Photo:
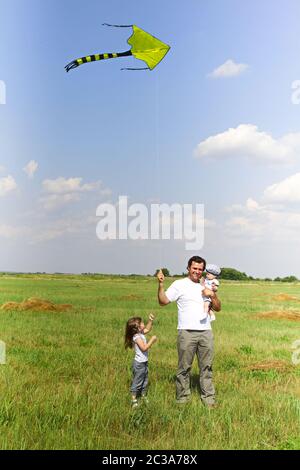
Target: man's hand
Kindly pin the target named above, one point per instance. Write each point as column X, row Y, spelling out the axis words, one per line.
column 160, row 276
column 214, row 287
column 215, row 302
column 151, row 317
column 162, row 298
column 208, row 293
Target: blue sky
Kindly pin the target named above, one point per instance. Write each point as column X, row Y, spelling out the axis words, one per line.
column 161, row 135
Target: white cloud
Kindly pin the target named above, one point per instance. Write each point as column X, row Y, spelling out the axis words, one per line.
column 7, row 185
column 253, row 222
column 246, row 141
column 40, row 227
column 52, row 229
column 55, row 201
column 105, row 192
column 229, row 69
column 71, row 185
column 244, row 227
column 286, row 191
column 64, row 227
column 9, row 231
column 31, row 168
column 62, row 191
column 252, row 205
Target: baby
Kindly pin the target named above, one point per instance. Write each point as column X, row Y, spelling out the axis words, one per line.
column 211, row 282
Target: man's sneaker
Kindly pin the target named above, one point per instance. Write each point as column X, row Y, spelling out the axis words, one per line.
column 145, row 399
column 211, row 406
column 183, row 400
column 134, row 403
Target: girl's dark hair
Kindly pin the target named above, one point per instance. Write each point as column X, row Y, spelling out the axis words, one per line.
column 132, row 328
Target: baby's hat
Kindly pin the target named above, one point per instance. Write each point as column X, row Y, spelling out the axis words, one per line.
column 213, row 269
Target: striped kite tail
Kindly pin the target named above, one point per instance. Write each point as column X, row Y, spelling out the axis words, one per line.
column 92, row 58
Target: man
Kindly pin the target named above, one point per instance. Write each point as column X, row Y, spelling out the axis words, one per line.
column 194, row 329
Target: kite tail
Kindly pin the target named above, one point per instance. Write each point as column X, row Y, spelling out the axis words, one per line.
column 92, row 58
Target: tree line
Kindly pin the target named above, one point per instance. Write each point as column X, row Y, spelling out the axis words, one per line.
column 232, row 274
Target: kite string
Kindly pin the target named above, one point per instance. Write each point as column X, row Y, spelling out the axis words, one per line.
column 158, row 168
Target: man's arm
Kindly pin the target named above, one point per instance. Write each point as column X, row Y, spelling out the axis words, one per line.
column 162, row 298
column 216, row 303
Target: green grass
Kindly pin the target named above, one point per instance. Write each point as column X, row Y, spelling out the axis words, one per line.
column 67, row 378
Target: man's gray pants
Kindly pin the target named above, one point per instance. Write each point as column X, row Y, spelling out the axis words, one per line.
column 140, row 378
column 189, row 343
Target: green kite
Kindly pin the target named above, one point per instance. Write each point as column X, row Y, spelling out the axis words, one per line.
column 144, row 47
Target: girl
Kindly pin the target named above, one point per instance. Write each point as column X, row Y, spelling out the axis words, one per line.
column 135, row 336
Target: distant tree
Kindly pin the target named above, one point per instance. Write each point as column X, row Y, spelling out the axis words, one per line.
column 277, row 279
column 165, row 271
column 290, row 279
column 233, row 275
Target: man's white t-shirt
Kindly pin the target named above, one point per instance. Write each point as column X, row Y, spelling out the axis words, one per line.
column 188, row 295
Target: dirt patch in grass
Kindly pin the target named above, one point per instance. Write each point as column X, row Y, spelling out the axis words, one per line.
column 36, row 304
column 131, row 297
column 271, row 364
column 284, row 297
column 293, row 315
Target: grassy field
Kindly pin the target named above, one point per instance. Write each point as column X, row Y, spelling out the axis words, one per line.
column 66, row 381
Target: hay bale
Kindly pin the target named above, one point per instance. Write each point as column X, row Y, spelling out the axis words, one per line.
column 10, row 306
column 284, row 297
column 270, row 364
column 131, row 297
column 292, row 315
column 35, row 304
